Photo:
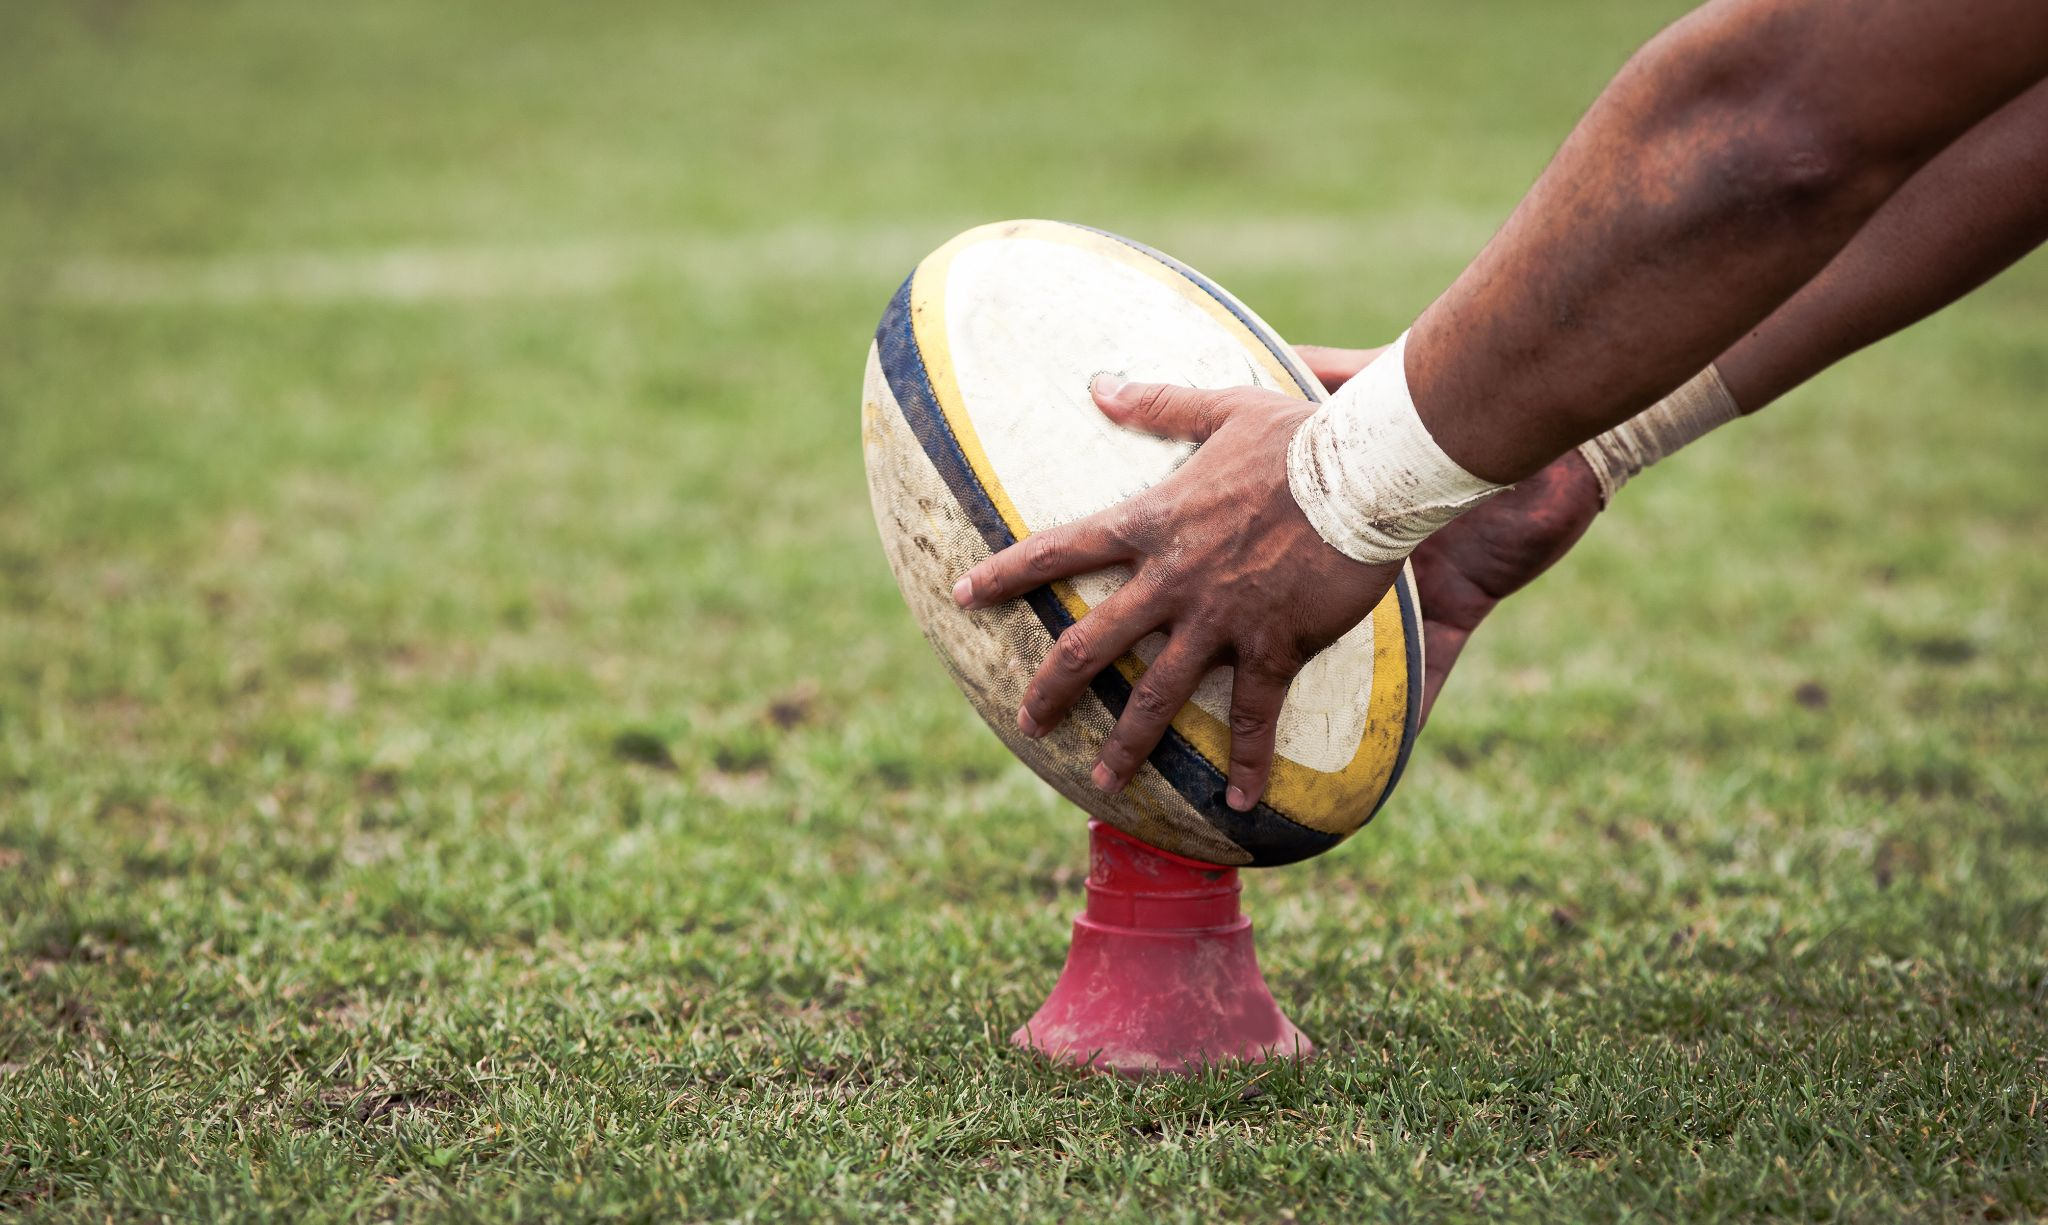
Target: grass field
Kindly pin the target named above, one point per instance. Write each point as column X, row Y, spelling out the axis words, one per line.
column 462, row 754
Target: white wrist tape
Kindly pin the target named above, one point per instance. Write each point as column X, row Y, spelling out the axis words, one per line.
column 1367, row 473
column 1686, row 415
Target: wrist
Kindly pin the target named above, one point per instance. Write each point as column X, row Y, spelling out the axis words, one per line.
column 1369, row 476
column 1698, row 407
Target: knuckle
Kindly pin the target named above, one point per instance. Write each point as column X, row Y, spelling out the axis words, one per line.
column 1249, row 724
column 1044, row 562
column 1151, row 400
column 1073, row 652
column 1139, row 520
column 1151, row 705
column 1265, row 659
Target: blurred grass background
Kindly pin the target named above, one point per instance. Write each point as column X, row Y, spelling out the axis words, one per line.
column 462, row 754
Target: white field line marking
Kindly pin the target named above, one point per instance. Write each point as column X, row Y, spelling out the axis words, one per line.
column 726, row 263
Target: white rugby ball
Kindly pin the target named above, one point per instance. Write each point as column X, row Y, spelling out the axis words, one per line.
column 979, row 430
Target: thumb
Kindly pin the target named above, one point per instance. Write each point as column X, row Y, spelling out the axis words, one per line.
column 1162, row 408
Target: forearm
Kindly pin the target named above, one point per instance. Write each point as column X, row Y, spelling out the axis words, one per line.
column 1724, row 167
column 1972, row 211
column 1967, row 215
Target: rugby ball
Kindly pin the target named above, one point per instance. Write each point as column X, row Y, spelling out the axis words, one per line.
column 979, row 429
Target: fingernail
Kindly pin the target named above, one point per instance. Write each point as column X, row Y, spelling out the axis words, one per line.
column 1103, row 779
column 963, row 591
column 1028, row 725
column 1236, row 798
column 1108, row 384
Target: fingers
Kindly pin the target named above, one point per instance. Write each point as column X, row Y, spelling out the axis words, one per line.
column 1256, row 695
column 1162, row 408
column 1084, row 649
column 1441, row 645
column 1043, row 557
column 1155, row 700
column 1336, row 367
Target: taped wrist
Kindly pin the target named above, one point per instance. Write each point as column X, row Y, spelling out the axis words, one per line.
column 1367, row 473
column 1699, row 407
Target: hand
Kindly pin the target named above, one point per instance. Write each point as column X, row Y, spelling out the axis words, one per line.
column 1223, row 562
column 1488, row 553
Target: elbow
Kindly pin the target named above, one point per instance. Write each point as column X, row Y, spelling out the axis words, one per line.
column 1746, row 127
column 1767, row 164
column 1795, row 167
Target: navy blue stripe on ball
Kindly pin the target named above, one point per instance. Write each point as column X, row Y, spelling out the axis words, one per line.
column 1265, row 832
column 1411, row 619
column 1267, row 835
column 911, row 384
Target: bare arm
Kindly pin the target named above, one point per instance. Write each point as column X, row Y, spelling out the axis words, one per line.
column 1967, row 215
column 1724, row 167
column 1727, row 163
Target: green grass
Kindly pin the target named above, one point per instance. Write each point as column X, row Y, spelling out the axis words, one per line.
column 462, row 754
